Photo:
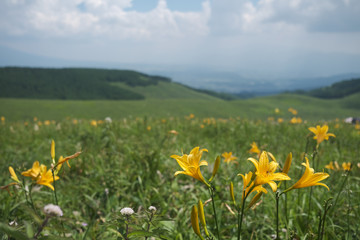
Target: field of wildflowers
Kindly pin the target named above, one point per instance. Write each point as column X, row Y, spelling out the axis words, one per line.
column 179, row 178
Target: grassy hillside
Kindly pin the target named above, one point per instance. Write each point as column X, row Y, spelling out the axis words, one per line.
column 258, row 108
column 166, row 90
column 72, row 83
column 92, row 84
column 337, row 90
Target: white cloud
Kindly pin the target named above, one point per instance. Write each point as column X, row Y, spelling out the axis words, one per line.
column 105, row 18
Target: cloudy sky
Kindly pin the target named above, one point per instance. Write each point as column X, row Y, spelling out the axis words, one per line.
column 294, row 37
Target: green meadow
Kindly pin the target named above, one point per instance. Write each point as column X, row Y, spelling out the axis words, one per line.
column 137, row 172
column 127, row 163
column 309, row 108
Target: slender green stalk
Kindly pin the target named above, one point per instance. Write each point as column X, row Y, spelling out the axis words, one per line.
column 213, row 205
column 326, row 209
column 349, row 207
column 285, row 207
column 240, row 217
column 41, row 227
column 320, row 225
column 311, row 188
column 341, row 188
column 148, row 226
column 31, row 200
column 127, row 228
column 277, row 196
column 56, row 200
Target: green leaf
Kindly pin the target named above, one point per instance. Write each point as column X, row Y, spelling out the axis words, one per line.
column 140, row 233
column 12, row 232
column 29, row 229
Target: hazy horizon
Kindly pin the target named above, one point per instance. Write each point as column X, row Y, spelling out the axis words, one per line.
column 255, row 39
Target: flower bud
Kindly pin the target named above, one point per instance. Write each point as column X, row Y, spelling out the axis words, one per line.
column 287, row 164
column 53, row 151
column 202, row 217
column 232, row 192
column 195, row 221
column 216, row 168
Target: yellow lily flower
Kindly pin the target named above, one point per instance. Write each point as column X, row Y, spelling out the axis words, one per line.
column 330, row 166
column 228, row 157
column 309, row 178
column 254, row 148
column 40, row 174
column 321, row 133
column 247, row 179
column 46, row 178
column 346, row 166
column 265, row 171
column 33, row 172
column 191, row 164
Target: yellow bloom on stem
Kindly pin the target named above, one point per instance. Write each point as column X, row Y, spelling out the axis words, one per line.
column 46, row 178
column 191, row 164
column 33, row 172
column 52, row 151
column 321, row 133
column 265, row 171
column 246, row 187
column 40, row 174
column 228, row 157
column 330, row 166
column 346, row 166
column 254, row 148
column 309, row 178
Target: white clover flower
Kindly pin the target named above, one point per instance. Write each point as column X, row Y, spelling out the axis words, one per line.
column 108, row 120
column 126, row 211
column 53, row 210
column 152, row 209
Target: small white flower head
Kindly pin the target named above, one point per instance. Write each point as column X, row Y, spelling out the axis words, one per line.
column 53, row 210
column 127, row 211
column 108, row 120
column 152, row 209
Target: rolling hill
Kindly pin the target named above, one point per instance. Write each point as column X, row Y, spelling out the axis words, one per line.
column 87, row 97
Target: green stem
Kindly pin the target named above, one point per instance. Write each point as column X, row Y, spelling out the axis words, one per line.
column 240, row 220
column 326, row 209
column 320, row 226
column 213, row 205
column 42, row 227
column 311, row 188
column 286, row 212
column 56, row 200
column 127, row 228
column 342, row 187
column 349, row 207
column 240, row 217
column 277, row 214
column 148, row 226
